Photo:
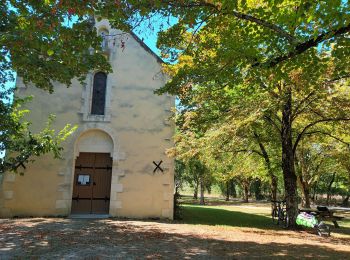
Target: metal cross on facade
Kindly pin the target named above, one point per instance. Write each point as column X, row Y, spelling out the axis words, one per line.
column 158, row 166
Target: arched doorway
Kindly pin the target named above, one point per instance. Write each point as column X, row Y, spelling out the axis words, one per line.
column 92, row 173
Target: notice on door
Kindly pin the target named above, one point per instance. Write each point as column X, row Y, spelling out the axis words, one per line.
column 83, row 179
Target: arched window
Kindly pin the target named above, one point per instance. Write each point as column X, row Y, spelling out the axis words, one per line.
column 104, row 34
column 99, row 94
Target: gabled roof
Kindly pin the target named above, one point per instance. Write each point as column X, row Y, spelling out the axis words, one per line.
column 148, row 49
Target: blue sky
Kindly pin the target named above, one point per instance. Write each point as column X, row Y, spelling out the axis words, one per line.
column 150, row 36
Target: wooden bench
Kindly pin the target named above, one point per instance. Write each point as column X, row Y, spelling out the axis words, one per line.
column 331, row 218
column 328, row 215
column 324, row 214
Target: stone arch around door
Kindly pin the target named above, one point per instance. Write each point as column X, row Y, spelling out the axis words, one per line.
column 94, row 141
column 96, row 156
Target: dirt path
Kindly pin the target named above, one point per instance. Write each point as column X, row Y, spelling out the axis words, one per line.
column 40, row 238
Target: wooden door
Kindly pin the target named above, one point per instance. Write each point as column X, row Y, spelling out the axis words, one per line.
column 92, row 184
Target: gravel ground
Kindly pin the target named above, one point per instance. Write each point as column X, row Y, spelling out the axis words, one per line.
column 55, row 238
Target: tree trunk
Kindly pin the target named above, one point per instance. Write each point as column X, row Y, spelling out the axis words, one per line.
column 233, row 192
column 202, row 188
column 177, row 188
column 273, row 187
column 257, row 189
column 195, row 192
column 314, row 190
column 268, row 167
column 306, row 196
column 290, row 178
column 305, row 189
column 227, row 191
column 273, row 192
column 328, row 199
column 329, row 189
column 345, row 202
column 246, row 192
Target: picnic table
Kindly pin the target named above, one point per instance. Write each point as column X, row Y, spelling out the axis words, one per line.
column 323, row 213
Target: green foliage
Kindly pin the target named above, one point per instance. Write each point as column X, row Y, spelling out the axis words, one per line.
column 228, row 188
column 43, row 42
column 21, row 145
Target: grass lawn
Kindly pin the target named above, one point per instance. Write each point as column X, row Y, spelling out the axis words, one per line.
column 234, row 216
column 251, row 215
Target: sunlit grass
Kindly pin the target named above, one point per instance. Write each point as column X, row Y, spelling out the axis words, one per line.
column 233, row 216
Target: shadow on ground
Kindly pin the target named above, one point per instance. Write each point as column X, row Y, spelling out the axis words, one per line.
column 344, row 228
column 102, row 239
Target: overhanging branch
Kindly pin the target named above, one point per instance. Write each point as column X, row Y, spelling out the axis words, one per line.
column 242, row 151
column 242, row 16
column 298, row 110
column 300, row 135
column 265, row 24
column 302, row 47
column 269, row 119
column 329, row 135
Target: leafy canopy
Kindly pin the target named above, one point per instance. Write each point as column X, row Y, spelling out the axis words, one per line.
column 43, row 42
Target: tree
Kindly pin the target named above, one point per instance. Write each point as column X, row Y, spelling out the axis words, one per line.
column 284, row 50
column 50, row 41
column 313, row 160
column 16, row 138
column 228, row 188
column 43, row 42
column 244, row 169
column 342, row 156
column 238, row 133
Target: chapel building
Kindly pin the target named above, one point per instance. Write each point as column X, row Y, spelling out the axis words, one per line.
column 114, row 164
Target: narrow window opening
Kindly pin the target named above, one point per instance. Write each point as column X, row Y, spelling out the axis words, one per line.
column 99, row 94
column 104, row 34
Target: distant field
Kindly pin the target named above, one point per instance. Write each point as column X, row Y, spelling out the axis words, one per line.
column 187, row 190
